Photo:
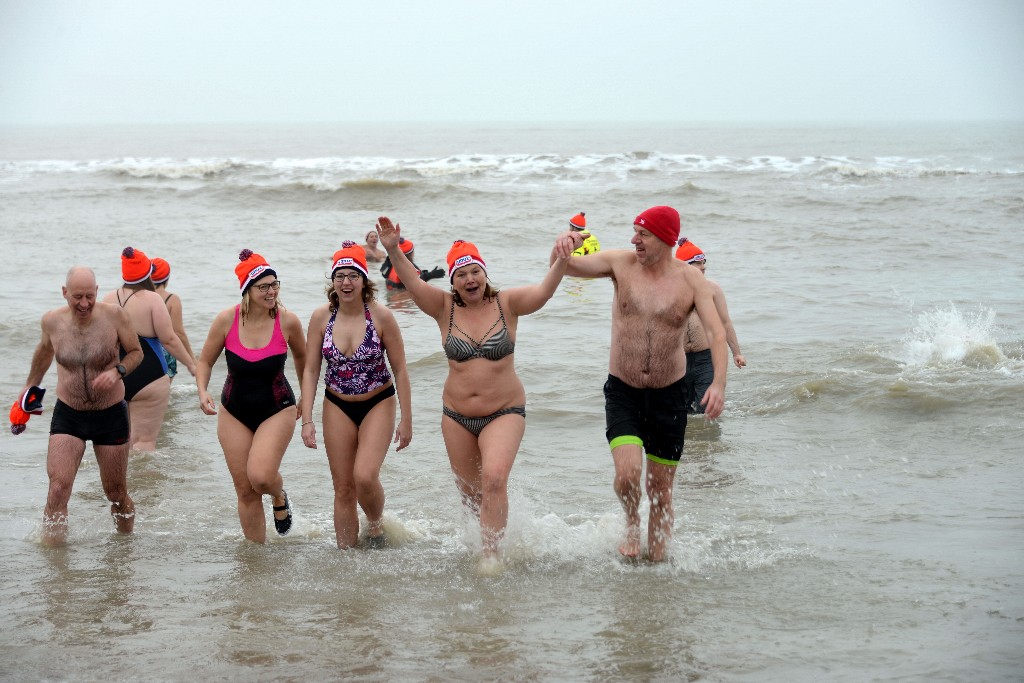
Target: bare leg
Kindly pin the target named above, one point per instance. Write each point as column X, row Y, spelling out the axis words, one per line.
column 659, row 526
column 374, row 440
column 147, row 409
column 355, row 456
column 63, row 458
column 113, row 466
column 264, row 466
column 481, row 466
column 340, row 441
column 236, row 440
column 499, row 443
column 464, row 458
column 628, row 460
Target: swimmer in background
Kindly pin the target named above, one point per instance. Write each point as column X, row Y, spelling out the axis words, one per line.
column 700, row 372
column 161, row 276
column 148, row 388
column 390, row 274
column 374, row 253
column 578, row 223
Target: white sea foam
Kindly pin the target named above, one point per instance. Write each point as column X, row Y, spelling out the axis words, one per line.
column 949, row 336
column 503, row 168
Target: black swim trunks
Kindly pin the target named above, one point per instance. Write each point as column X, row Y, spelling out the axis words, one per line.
column 700, row 373
column 652, row 418
column 106, row 427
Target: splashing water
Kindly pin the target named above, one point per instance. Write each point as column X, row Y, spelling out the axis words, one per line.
column 951, row 337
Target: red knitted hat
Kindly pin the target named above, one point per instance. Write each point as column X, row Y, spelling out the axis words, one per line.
column 462, row 254
column 689, row 252
column 405, row 245
column 161, row 270
column 252, row 266
column 30, row 403
column 662, row 222
column 579, row 221
column 351, row 255
column 135, row 266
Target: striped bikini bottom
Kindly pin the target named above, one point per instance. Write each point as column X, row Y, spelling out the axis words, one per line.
column 477, row 424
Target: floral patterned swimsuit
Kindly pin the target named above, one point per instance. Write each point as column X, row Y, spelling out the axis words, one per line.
column 365, row 371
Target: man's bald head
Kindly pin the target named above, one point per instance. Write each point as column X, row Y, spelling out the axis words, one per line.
column 81, row 276
column 80, row 291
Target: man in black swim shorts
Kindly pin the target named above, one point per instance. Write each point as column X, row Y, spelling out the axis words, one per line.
column 83, row 337
column 645, row 400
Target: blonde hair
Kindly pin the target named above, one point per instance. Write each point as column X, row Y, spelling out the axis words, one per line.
column 243, row 309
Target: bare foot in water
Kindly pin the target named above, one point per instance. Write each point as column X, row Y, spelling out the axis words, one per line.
column 630, row 548
column 490, row 565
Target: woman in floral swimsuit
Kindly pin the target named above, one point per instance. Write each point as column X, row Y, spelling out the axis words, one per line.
column 358, row 338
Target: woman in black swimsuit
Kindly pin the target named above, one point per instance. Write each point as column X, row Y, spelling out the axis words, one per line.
column 147, row 388
column 484, row 402
column 161, row 277
column 258, row 408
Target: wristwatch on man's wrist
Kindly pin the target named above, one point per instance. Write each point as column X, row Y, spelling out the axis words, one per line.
column 121, row 370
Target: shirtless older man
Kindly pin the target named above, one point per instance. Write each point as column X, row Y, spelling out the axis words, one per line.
column 90, row 406
column 645, row 406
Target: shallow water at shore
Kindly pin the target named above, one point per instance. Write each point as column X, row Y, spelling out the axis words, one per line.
column 854, row 515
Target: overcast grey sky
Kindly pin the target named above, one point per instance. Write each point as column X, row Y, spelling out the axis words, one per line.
column 137, row 61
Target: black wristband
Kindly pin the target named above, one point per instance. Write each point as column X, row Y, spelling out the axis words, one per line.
column 121, row 370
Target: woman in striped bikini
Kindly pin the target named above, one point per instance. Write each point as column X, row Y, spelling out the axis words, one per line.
column 484, row 402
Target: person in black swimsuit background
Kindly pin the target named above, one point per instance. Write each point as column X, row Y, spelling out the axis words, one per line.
column 148, row 387
column 161, row 279
column 484, row 402
column 700, row 373
column 258, row 408
column 391, row 279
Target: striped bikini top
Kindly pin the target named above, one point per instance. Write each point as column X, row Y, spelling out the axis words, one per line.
column 496, row 347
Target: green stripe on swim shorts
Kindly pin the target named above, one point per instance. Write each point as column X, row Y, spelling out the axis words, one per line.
column 662, row 461
column 626, row 440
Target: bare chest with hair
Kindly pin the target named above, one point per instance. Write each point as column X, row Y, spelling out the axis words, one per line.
column 663, row 302
column 648, row 322
column 91, row 347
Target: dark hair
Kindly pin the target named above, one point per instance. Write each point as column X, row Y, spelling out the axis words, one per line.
column 369, row 292
column 146, row 284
